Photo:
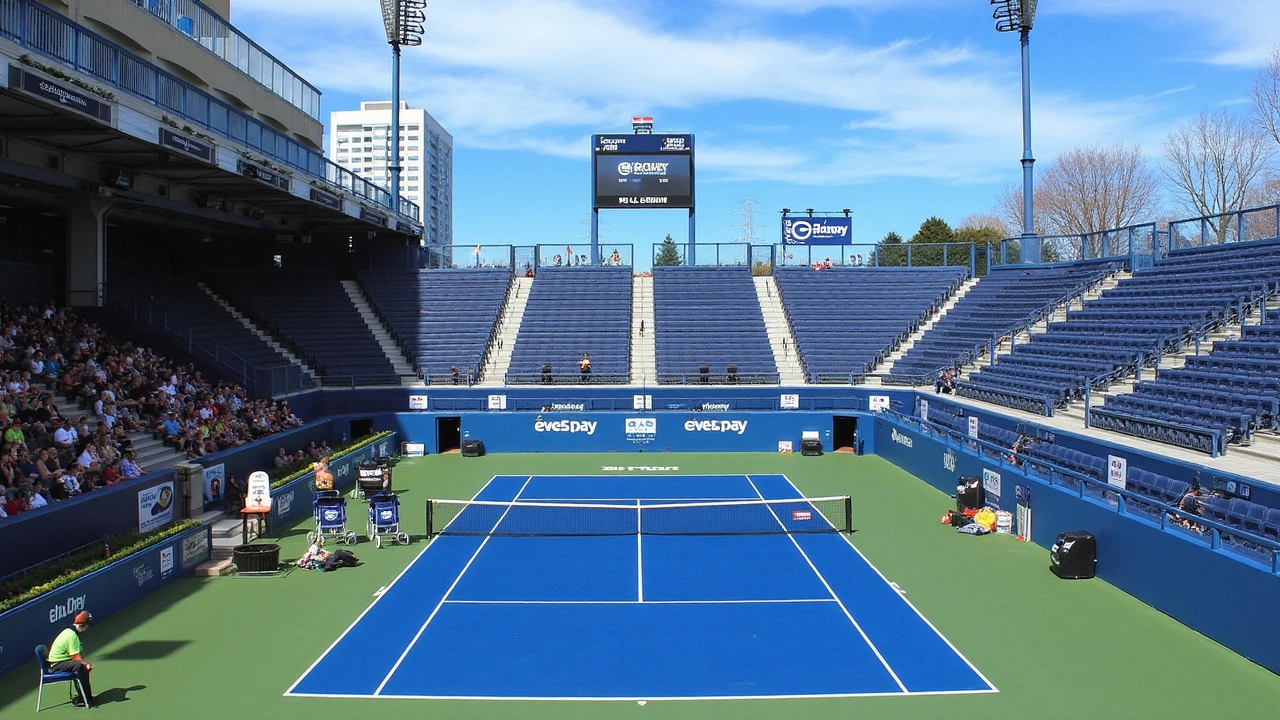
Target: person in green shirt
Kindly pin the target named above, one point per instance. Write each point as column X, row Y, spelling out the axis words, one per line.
column 65, row 655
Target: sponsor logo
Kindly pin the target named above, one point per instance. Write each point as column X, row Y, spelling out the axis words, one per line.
column 642, row 168
column 284, row 503
column 142, row 574
column 722, row 426
column 673, row 143
column 641, row 468
column 949, row 460
column 343, row 471
column 194, row 549
column 715, row 407
column 66, row 608
column 612, row 144
column 643, row 200
column 903, row 440
column 802, row 230
column 799, row 515
column 166, row 561
column 641, row 430
column 991, row 484
column 567, row 407
column 587, row 427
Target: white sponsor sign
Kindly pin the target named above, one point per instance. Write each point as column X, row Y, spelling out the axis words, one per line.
column 587, row 427
column 66, row 608
column 641, row 402
column 413, row 449
column 903, row 440
column 155, row 506
column 497, row 402
column 973, row 427
column 991, row 484
column 790, row 401
column 166, row 561
column 215, row 477
column 784, row 446
column 720, row 426
column 417, row 402
column 1117, row 471
column 258, row 495
column 924, row 410
column 878, row 402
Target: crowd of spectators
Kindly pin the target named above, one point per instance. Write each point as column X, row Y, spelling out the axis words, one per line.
column 50, row 453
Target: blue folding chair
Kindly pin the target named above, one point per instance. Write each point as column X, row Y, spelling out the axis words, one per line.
column 48, row 676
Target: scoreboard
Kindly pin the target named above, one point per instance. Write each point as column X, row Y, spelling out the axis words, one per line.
column 642, row 171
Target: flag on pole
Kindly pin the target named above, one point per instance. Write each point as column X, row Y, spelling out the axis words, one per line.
column 569, row 253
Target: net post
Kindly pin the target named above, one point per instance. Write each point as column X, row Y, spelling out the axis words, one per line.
column 848, row 514
column 430, row 531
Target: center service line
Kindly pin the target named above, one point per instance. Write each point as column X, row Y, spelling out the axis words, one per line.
column 639, row 556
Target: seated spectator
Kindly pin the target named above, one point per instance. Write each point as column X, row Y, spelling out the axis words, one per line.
column 584, row 367
column 235, row 494
column 129, row 466
column 37, row 499
column 281, row 459
column 945, row 384
column 1189, row 505
column 18, row 503
column 111, row 474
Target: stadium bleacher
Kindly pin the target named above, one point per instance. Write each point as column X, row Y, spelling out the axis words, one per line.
column 311, row 310
column 848, row 319
column 182, row 297
column 1007, row 300
column 572, row 311
column 708, row 326
column 443, row 319
column 1159, row 310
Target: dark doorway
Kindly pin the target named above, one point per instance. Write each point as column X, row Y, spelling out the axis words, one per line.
column 448, row 434
column 361, row 427
column 844, row 433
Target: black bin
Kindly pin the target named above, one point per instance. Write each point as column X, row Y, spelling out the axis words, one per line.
column 256, row 559
column 1074, row 555
column 969, row 495
column 810, row 447
column 472, row 448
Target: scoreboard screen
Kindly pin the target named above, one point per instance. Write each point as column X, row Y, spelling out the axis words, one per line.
column 642, row 171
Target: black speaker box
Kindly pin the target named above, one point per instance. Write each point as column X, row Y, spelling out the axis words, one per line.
column 969, row 495
column 1074, row 555
column 472, row 448
column 810, row 447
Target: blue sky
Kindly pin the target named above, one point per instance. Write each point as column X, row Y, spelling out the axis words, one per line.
column 897, row 109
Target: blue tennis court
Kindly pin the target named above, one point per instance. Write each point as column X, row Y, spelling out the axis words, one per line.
column 663, row 609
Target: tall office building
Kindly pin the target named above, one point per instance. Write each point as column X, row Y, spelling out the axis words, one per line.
column 360, row 140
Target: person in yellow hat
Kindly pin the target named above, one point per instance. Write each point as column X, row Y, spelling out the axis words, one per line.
column 66, row 655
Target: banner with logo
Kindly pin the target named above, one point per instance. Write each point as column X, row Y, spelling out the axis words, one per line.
column 215, row 479
column 155, row 506
column 103, row 593
column 1117, row 471
column 817, row 230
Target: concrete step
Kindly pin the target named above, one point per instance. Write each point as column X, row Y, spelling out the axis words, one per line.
column 215, row 568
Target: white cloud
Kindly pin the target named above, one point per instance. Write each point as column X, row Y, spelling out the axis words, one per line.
column 541, row 75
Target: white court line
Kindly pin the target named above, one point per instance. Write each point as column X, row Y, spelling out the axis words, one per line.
column 827, row 585
column 440, row 604
column 639, row 555
column 631, row 698
column 644, row 602
column 381, row 595
column 633, row 497
column 914, row 609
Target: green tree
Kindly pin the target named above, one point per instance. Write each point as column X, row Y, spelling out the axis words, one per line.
column 890, row 251
column 929, row 242
column 669, row 254
column 982, row 237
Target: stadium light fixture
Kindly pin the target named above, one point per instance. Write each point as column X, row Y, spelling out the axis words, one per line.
column 1018, row 16
column 786, row 211
column 404, row 21
column 810, row 211
column 847, row 212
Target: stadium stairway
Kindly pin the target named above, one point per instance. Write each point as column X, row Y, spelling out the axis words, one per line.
column 644, row 354
column 781, row 339
column 887, row 366
column 151, row 454
column 494, row 372
column 240, row 318
column 402, row 366
column 228, row 532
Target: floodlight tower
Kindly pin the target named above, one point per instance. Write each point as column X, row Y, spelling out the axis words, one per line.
column 403, row 20
column 1018, row 16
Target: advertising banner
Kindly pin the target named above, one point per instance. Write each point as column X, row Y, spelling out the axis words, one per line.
column 637, row 171
column 102, row 593
column 817, row 230
column 215, row 479
column 155, row 506
column 1117, row 471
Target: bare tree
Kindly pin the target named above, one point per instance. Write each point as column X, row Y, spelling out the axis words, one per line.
column 1216, row 164
column 1266, row 96
column 1009, row 210
column 1088, row 190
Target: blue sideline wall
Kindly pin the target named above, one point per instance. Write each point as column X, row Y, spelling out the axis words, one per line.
column 104, row 593
column 1259, row 492
column 1211, row 592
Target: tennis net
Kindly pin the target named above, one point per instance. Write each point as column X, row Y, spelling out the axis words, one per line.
column 730, row 517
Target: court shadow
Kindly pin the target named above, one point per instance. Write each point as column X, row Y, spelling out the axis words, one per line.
column 147, row 650
column 117, row 695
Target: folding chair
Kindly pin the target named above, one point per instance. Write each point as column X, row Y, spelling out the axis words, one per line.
column 47, row 677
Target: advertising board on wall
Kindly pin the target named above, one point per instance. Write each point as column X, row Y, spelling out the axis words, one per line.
column 642, row 171
column 817, row 230
column 155, row 506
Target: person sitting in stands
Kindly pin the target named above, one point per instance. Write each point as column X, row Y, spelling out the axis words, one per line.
column 129, row 467
column 1189, row 504
column 281, row 459
column 455, row 374
column 945, row 384
column 584, row 367
column 615, row 258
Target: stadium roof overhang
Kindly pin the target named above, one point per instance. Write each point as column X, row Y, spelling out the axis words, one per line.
column 66, row 134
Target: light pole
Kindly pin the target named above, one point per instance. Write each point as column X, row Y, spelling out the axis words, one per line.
column 403, row 20
column 1018, row 16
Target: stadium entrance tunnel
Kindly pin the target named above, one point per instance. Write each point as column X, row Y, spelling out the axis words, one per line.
column 844, row 433
column 449, row 433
